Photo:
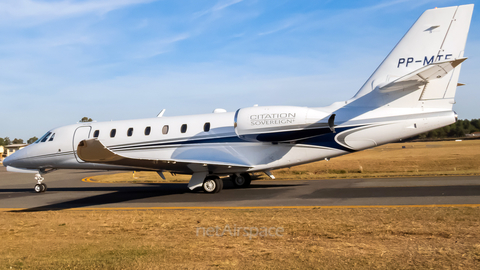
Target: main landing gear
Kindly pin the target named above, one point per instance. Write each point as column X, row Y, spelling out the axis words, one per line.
column 241, row 180
column 214, row 184
column 40, row 187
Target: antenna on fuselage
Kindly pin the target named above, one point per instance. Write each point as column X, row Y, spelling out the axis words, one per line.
column 160, row 114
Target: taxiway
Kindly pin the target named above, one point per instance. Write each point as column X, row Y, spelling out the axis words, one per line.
column 66, row 190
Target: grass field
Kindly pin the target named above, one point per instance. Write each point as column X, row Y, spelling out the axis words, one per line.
column 397, row 159
column 377, row 238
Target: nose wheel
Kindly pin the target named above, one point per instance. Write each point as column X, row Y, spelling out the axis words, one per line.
column 40, row 187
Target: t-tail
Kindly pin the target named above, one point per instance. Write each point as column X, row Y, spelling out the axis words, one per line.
column 422, row 70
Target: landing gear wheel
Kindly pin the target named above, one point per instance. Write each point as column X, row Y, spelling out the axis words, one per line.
column 242, row 180
column 212, row 184
column 238, row 181
column 38, row 188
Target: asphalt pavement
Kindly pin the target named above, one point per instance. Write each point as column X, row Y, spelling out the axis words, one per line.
column 66, row 190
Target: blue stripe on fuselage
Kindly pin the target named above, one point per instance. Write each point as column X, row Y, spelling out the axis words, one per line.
column 324, row 140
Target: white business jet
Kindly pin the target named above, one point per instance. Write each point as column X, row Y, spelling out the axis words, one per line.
column 411, row 92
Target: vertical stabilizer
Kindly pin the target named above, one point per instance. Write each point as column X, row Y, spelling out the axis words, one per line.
column 439, row 35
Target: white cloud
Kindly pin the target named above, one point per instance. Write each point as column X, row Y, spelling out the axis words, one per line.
column 43, row 10
column 285, row 24
column 157, row 47
column 217, row 7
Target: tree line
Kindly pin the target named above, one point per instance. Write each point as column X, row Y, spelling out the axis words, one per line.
column 455, row 130
column 7, row 141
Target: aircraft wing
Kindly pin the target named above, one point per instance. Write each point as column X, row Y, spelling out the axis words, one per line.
column 94, row 151
column 421, row 76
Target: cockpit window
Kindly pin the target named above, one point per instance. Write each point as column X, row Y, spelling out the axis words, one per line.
column 51, row 138
column 44, row 137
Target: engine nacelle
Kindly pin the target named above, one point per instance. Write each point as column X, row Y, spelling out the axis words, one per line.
column 280, row 123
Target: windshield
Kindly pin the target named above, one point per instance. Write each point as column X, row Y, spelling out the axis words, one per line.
column 44, row 137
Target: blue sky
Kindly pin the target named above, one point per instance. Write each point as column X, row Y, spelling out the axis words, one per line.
column 128, row 59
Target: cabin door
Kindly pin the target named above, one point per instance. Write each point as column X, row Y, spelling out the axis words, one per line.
column 80, row 134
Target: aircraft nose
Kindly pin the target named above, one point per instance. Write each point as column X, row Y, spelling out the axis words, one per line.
column 7, row 161
column 16, row 159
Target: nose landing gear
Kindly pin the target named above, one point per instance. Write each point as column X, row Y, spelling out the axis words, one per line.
column 40, row 187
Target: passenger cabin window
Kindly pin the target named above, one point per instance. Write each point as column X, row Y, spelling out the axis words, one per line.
column 165, row 129
column 113, row 132
column 147, row 131
column 51, row 138
column 183, row 129
column 130, row 132
column 96, row 133
column 206, row 127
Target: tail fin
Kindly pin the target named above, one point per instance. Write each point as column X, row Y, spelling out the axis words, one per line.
column 436, row 40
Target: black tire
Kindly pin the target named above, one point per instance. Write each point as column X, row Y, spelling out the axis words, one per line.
column 243, row 180
column 44, row 187
column 248, row 179
column 237, row 181
column 212, row 184
column 38, row 188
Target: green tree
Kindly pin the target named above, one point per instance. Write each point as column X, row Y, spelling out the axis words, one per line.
column 476, row 124
column 2, row 141
column 441, row 133
column 32, row 140
column 7, row 141
column 86, row 119
column 460, row 132
column 17, row 141
column 422, row 136
column 466, row 124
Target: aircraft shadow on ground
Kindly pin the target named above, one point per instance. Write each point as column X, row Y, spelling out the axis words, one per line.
column 156, row 193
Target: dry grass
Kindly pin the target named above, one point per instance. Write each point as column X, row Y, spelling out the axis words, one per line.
column 400, row 238
column 391, row 160
column 397, row 159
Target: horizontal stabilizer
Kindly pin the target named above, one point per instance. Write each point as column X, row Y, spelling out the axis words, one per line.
column 414, row 80
column 94, row 151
